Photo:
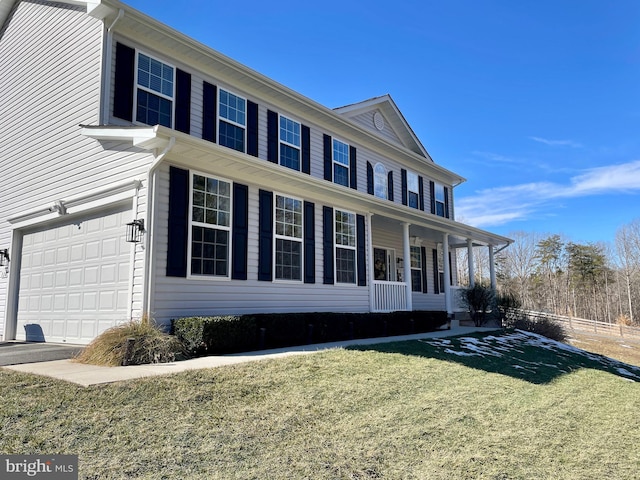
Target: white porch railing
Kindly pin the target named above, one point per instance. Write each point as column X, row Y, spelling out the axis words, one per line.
column 389, row 296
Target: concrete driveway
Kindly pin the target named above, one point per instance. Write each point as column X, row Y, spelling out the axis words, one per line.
column 14, row 353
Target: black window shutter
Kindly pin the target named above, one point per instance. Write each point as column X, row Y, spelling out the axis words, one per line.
column 421, row 192
column 353, row 168
column 272, row 136
column 309, row 243
column 178, row 224
column 123, row 85
column 446, row 202
column 240, row 233
column 183, row 101
column 370, row 179
column 306, row 149
column 265, row 240
column 423, row 256
column 361, row 248
column 403, row 175
column 436, row 274
column 432, row 193
column 252, row 128
column 265, row 236
column 327, row 243
column 390, row 186
column 328, row 162
column 209, row 111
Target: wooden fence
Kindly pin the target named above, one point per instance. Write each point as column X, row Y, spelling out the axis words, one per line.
column 581, row 324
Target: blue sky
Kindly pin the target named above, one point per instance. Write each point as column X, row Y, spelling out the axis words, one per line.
column 536, row 103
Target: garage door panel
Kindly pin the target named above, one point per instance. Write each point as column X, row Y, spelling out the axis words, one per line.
column 74, row 279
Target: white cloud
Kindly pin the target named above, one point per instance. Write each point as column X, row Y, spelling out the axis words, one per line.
column 557, row 143
column 497, row 206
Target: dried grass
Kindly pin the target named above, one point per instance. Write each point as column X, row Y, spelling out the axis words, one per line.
column 133, row 343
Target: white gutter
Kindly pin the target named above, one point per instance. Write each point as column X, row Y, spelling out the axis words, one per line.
column 149, row 261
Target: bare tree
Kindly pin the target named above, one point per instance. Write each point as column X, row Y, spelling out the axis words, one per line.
column 628, row 260
column 517, row 265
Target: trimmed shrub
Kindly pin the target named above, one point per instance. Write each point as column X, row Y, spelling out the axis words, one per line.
column 232, row 334
column 221, row 334
column 133, row 343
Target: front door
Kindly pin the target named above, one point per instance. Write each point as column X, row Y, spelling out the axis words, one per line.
column 384, row 264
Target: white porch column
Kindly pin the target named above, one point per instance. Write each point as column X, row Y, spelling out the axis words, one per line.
column 406, row 263
column 447, row 274
column 370, row 264
column 492, row 268
column 472, row 274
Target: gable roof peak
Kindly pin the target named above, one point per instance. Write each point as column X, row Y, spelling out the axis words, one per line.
column 392, row 115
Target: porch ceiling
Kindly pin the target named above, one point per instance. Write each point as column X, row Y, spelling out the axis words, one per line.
column 194, row 153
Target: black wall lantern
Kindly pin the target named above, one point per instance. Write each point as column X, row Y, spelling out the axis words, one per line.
column 135, row 230
column 4, row 257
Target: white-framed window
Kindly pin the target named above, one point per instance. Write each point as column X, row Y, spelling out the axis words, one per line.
column 210, row 226
column 340, row 163
column 345, row 245
column 288, row 238
column 416, row 269
column 440, row 267
column 289, row 143
column 413, row 190
column 440, row 203
column 155, row 91
column 380, row 179
column 232, row 113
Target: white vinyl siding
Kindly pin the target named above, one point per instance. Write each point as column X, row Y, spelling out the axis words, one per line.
column 81, row 165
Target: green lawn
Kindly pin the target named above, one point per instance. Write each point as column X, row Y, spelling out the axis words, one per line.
column 481, row 407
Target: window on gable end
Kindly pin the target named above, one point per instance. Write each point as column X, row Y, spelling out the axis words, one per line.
column 232, row 114
column 289, row 143
column 155, row 91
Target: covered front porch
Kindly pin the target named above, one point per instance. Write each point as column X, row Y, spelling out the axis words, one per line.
column 408, row 270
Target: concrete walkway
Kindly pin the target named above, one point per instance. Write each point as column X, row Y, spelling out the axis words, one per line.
column 86, row 375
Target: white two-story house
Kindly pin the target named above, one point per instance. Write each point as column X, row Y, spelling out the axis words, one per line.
column 144, row 173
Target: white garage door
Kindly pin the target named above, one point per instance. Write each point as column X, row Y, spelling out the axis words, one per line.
column 74, row 279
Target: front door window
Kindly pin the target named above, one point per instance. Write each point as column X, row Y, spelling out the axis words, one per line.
column 383, row 269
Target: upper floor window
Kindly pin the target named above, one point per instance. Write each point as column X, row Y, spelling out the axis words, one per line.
column 345, row 243
column 340, row 162
column 289, row 143
column 380, row 179
column 413, row 190
column 233, row 120
column 440, row 201
column 288, row 238
column 155, row 91
column 210, row 226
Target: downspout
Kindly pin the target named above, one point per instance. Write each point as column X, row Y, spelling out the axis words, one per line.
column 149, row 261
column 106, row 78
